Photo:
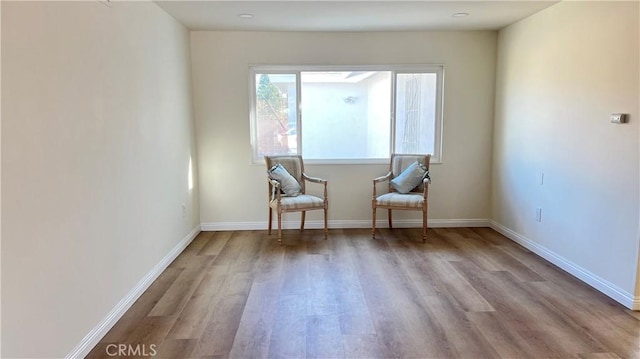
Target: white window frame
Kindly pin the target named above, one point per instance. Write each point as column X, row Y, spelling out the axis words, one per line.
column 438, row 69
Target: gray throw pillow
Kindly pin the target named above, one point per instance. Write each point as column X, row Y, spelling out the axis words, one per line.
column 288, row 184
column 410, row 178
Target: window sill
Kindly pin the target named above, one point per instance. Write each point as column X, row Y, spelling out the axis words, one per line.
column 322, row 162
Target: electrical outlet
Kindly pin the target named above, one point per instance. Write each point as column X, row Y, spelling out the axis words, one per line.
column 538, row 214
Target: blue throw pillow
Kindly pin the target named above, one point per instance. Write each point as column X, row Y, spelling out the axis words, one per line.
column 410, row 178
column 288, row 184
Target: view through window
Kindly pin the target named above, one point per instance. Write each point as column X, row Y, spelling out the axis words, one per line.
column 346, row 115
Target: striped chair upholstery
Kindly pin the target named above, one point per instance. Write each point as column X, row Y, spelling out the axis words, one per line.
column 298, row 203
column 417, row 199
column 301, row 203
column 394, row 199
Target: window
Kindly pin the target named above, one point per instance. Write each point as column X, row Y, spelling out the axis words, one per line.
column 346, row 114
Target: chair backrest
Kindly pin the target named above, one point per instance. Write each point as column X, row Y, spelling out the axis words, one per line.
column 399, row 162
column 292, row 163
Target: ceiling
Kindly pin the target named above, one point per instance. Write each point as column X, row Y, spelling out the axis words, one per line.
column 349, row 15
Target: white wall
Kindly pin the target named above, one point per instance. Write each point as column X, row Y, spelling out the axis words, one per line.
column 561, row 73
column 97, row 133
column 233, row 192
column 0, row 188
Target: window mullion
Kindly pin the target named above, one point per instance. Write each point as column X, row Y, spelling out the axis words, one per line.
column 392, row 115
column 299, row 112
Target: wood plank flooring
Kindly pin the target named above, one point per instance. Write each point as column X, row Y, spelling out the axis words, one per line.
column 466, row 293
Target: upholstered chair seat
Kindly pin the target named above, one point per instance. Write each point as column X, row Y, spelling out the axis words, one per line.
column 394, row 199
column 301, row 202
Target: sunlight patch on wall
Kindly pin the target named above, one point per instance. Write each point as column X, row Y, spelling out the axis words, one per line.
column 190, row 174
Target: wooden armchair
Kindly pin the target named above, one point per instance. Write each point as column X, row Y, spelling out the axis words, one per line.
column 301, row 203
column 415, row 200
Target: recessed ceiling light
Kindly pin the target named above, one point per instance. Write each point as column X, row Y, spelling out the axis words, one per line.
column 245, row 16
column 460, row 14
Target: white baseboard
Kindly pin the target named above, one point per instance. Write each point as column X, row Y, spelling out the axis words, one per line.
column 453, row 223
column 613, row 291
column 94, row 336
column 319, row 224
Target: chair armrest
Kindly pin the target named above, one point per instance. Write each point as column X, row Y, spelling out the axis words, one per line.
column 275, row 189
column 382, row 178
column 273, row 182
column 314, row 179
column 426, row 182
column 317, row 180
column 377, row 180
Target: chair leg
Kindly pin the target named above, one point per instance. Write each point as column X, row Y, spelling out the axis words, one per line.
column 279, row 226
column 326, row 227
column 302, row 221
column 390, row 221
column 270, row 219
column 424, row 226
column 373, row 224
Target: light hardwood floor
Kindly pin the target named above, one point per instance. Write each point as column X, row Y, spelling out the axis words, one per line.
column 466, row 293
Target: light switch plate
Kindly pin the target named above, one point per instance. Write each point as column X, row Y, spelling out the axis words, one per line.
column 618, row 118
